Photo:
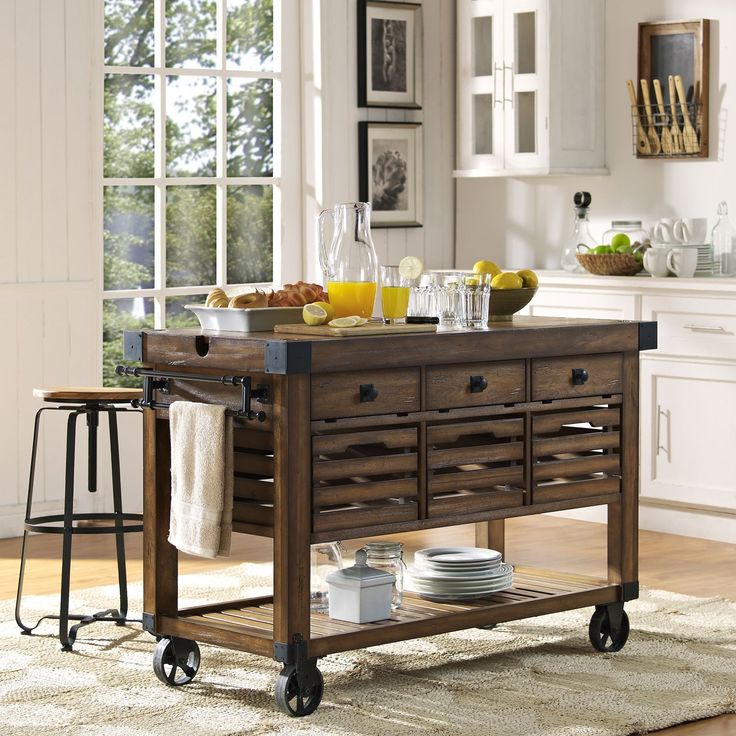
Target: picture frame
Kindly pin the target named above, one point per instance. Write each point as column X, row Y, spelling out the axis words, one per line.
column 679, row 47
column 390, row 166
column 389, row 54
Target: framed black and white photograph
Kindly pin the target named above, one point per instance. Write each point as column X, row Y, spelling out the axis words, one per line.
column 391, row 173
column 389, row 54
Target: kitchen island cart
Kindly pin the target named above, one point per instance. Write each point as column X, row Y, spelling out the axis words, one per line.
column 346, row 437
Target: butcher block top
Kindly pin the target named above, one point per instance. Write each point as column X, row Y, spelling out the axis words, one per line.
column 285, row 353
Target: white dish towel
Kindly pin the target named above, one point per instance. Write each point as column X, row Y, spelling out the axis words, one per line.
column 201, row 479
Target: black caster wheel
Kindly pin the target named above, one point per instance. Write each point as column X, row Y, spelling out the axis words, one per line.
column 602, row 635
column 176, row 661
column 293, row 701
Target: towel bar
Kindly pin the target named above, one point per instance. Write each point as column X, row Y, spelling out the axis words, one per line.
column 153, row 380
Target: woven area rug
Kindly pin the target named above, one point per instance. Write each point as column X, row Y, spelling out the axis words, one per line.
column 537, row 677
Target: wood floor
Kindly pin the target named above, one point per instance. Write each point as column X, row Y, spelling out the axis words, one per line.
column 681, row 564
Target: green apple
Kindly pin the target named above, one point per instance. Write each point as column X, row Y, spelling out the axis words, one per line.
column 601, row 250
column 624, row 249
column 618, row 240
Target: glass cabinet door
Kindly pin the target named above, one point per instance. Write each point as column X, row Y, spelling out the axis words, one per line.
column 480, row 84
column 524, row 48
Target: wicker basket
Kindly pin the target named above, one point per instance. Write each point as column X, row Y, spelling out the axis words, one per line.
column 610, row 264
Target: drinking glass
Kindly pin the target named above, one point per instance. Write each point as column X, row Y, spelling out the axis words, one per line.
column 394, row 295
column 422, row 297
column 446, row 296
column 475, row 299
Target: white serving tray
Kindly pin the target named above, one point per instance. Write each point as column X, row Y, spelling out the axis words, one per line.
column 255, row 319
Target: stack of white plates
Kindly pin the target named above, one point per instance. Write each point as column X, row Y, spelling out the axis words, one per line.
column 705, row 260
column 458, row 573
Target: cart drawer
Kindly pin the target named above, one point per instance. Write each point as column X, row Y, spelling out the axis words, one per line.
column 363, row 393
column 475, row 384
column 576, row 454
column 475, row 466
column 583, row 375
column 364, row 478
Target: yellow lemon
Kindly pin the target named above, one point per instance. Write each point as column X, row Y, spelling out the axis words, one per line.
column 328, row 308
column 528, row 277
column 313, row 314
column 411, row 267
column 507, row 280
column 345, row 322
column 486, row 267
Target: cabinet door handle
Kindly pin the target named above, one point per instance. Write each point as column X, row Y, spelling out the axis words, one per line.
column 478, row 384
column 368, row 392
column 496, row 99
column 707, row 328
column 579, row 376
column 510, row 100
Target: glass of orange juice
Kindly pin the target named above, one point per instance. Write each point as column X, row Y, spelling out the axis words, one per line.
column 394, row 295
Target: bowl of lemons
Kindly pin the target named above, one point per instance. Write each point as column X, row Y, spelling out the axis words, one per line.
column 511, row 291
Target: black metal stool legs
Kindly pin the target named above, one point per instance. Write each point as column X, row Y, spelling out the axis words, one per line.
column 117, row 501
column 50, row 523
column 29, row 501
column 66, row 554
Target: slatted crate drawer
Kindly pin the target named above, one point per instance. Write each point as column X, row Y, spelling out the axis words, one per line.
column 364, row 477
column 476, row 384
column 582, row 375
column 475, row 466
column 364, row 393
column 253, row 482
column 576, row 454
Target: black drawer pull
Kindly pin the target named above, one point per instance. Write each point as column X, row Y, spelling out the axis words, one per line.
column 579, row 376
column 368, row 392
column 478, row 384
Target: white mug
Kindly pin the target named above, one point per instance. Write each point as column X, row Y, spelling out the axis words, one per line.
column 663, row 231
column 690, row 229
column 682, row 261
column 655, row 261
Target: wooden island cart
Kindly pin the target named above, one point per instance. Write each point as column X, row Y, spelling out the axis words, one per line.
column 345, row 437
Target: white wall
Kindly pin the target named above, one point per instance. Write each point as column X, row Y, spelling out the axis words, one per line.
column 337, row 96
column 523, row 222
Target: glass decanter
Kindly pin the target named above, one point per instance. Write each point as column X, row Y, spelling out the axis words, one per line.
column 724, row 244
column 580, row 234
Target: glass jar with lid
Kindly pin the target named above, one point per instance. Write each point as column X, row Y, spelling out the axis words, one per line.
column 632, row 229
column 389, row 556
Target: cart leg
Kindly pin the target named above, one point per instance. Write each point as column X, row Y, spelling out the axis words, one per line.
column 491, row 535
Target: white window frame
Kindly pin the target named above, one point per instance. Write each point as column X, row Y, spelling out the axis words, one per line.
column 288, row 255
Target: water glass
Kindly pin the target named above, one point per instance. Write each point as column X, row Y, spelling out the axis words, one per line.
column 422, row 297
column 447, row 294
column 475, row 299
column 394, row 295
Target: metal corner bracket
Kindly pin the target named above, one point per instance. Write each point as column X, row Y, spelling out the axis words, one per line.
column 284, row 357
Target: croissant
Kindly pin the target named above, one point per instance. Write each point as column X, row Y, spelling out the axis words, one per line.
column 296, row 295
column 216, row 298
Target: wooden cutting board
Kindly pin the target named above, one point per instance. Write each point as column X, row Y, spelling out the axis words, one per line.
column 372, row 328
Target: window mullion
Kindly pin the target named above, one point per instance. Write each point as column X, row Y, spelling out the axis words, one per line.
column 159, row 274
column 221, row 147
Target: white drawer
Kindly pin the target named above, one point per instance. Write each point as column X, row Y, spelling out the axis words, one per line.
column 588, row 303
column 696, row 327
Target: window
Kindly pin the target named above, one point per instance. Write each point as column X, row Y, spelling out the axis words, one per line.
column 192, row 181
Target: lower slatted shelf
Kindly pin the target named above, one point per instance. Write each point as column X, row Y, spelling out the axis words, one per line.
column 248, row 625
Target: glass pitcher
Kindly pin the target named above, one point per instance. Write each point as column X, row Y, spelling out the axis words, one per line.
column 348, row 259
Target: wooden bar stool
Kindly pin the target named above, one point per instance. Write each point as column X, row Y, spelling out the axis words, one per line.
column 90, row 402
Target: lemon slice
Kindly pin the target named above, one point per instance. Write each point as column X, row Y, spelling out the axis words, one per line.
column 361, row 321
column 410, row 267
column 344, row 322
column 313, row 314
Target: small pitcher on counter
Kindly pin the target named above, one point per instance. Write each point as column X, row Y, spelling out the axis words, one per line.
column 348, row 259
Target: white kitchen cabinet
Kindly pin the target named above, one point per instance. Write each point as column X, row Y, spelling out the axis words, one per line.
column 687, row 446
column 530, row 78
column 688, row 391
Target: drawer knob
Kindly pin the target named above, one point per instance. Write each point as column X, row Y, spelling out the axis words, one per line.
column 579, row 376
column 368, row 392
column 478, row 384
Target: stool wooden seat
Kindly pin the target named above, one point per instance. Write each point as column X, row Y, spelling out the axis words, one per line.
column 90, row 401
column 109, row 394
